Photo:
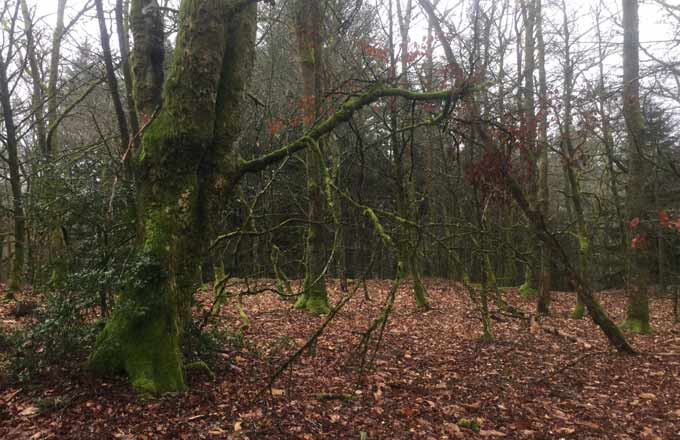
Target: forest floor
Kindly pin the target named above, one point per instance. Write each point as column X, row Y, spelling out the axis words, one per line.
column 429, row 377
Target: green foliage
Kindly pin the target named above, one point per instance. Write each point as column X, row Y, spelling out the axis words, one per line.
column 62, row 331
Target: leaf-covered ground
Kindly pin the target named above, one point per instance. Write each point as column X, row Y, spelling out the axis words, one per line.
column 429, row 379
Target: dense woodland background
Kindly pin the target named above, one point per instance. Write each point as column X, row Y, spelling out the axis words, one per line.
column 487, row 145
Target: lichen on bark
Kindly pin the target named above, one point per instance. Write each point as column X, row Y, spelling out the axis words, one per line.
column 143, row 337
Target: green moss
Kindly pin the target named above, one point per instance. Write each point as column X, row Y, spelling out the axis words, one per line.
column 470, row 424
column 146, row 349
column 314, row 304
column 527, row 291
column 318, row 305
column 301, row 302
column 419, row 294
column 636, row 326
column 579, row 311
column 637, row 312
column 142, row 338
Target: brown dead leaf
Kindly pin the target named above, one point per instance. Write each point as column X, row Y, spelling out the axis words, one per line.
column 216, row 431
column 29, row 411
column 237, row 426
column 647, row 396
column 491, row 433
column 278, row 392
column 649, row 434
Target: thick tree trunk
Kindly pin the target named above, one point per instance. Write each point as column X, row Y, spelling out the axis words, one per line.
column 143, row 337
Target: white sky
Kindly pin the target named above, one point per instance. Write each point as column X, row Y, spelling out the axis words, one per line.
column 653, row 30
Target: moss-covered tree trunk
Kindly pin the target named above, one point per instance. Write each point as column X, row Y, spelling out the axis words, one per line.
column 637, row 313
column 309, row 38
column 143, row 336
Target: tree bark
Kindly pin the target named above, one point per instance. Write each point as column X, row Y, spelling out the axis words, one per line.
column 52, row 101
column 37, row 97
column 571, row 161
column 637, row 313
column 124, row 47
column 544, row 285
column 535, row 218
column 17, row 266
column 144, row 335
column 529, row 125
column 309, row 24
column 111, row 79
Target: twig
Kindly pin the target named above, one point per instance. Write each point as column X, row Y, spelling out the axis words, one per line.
column 565, row 367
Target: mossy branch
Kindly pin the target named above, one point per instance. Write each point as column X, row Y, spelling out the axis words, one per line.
column 344, row 114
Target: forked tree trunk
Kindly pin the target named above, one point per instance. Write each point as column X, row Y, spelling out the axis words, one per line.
column 144, row 335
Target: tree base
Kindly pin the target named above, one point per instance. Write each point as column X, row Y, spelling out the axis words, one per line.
column 579, row 311
column 527, row 291
column 636, row 326
column 316, row 305
column 146, row 347
column 420, row 296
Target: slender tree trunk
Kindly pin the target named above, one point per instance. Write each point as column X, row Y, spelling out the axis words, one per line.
column 12, row 142
column 52, row 99
column 637, row 313
column 604, row 110
column 544, row 297
column 309, row 25
column 529, row 14
column 535, row 218
column 37, row 97
column 124, row 47
column 111, row 79
column 571, row 162
column 405, row 167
